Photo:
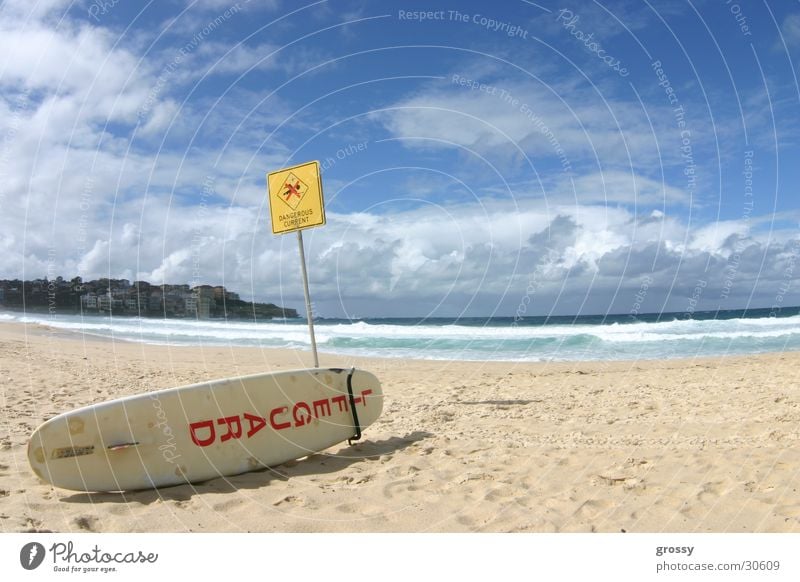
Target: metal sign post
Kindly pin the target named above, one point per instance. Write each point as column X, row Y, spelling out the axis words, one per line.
column 295, row 202
column 309, row 315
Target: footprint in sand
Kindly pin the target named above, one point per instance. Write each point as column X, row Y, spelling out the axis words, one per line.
column 465, row 520
column 348, row 508
column 86, row 523
column 398, row 487
column 593, row 508
column 711, row 492
column 501, row 494
column 224, row 506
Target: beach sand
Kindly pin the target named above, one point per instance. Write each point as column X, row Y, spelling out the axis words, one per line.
column 705, row 445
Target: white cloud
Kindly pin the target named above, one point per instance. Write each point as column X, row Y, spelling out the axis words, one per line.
column 25, row 10
column 716, row 238
column 64, row 173
column 234, row 59
column 162, row 116
column 791, row 29
column 567, row 124
column 614, row 187
column 79, row 66
column 97, row 259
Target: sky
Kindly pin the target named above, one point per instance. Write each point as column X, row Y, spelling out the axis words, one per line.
column 508, row 158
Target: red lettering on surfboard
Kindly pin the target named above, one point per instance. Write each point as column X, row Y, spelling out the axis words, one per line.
column 275, row 412
column 203, row 432
column 207, row 424
column 363, row 397
column 299, row 418
column 340, row 400
column 256, row 423
column 323, row 406
column 233, row 433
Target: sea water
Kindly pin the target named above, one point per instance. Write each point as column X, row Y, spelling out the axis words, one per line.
column 595, row 337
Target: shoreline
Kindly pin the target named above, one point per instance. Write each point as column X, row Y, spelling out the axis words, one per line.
column 693, row 445
column 45, row 329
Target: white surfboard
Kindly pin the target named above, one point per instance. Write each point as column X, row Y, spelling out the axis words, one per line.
column 198, row 432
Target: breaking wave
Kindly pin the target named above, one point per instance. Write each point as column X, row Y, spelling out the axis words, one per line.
column 531, row 339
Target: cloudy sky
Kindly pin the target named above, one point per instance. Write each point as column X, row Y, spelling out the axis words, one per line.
column 478, row 158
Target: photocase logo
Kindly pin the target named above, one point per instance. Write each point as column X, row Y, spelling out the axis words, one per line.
column 32, row 555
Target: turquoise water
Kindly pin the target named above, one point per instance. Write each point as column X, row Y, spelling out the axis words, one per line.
column 616, row 337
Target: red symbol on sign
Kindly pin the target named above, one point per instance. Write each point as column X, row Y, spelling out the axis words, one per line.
column 293, row 190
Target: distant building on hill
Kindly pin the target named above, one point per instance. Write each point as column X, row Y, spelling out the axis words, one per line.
column 140, row 298
column 204, row 301
column 89, row 301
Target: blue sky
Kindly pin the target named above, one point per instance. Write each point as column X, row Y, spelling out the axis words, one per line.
column 478, row 158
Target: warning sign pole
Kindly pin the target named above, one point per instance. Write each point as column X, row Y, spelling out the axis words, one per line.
column 309, row 314
column 296, row 203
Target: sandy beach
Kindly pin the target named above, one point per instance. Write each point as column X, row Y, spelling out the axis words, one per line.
column 705, row 445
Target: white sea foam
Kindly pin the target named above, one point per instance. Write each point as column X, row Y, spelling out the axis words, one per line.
column 502, row 341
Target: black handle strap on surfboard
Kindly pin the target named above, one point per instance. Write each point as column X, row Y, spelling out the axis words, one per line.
column 356, row 424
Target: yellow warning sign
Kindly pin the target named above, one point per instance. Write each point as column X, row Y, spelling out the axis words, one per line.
column 295, row 198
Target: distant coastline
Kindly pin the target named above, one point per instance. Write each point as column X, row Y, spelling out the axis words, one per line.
column 120, row 297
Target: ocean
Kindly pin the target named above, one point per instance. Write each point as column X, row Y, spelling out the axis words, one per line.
column 530, row 339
